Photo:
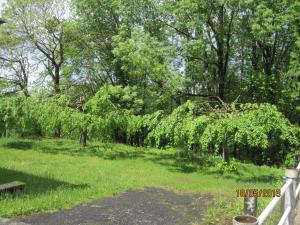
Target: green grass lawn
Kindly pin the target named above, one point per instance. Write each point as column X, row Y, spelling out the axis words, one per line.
column 59, row 174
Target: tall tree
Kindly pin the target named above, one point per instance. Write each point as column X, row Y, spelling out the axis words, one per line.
column 290, row 94
column 42, row 23
column 15, row 60
column 205, row 30
column 16, row 72
column 269, row 30
column 102, row 21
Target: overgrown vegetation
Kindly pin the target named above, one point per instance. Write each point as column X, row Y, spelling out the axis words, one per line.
column 154, row 73
column 258, row 132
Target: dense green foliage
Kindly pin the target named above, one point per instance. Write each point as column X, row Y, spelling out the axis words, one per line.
column 181, row 128
column 210, row 77
column 257, row 132
column 263, row 132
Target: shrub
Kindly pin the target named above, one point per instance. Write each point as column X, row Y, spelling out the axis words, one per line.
column 183, row 127
column 261, row 129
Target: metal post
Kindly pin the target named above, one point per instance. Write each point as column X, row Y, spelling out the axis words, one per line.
column 250, row 206
column 292, row 174
column 282, row 201
column 297, row 158
column 244, row 220
column 296, row 199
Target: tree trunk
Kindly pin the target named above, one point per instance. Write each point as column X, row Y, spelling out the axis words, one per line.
column 222, row 88
column 221, row 71
column 57, row 131
column 221, row 55
column 254, row 58
column 26, row 93
column 235, row 151
column 83, row 138
column 56, row 80
column 120, row 75
column 225, row 150
column 224, row 154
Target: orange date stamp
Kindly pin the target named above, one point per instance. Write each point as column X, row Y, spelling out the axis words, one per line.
column 258, row 192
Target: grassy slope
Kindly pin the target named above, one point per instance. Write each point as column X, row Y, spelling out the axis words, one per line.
column 59, row 174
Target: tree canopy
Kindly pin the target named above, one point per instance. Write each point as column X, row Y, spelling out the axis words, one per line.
column 211, row 77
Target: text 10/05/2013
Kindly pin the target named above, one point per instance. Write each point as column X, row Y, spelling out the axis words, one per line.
column 255, row 192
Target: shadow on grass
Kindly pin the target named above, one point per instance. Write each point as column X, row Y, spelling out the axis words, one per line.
column 176, row 161
column 121, row 155
column 36, row 185
column 248, row 177
column 53, row 148
column 105, row 151
column 264, row 179
column 21, row 145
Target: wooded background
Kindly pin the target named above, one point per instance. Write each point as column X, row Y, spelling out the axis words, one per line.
column 212, row 77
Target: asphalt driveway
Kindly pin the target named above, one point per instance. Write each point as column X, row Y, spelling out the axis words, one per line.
column 151, row 206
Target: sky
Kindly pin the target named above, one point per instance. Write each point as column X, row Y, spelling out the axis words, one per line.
column 1, row 3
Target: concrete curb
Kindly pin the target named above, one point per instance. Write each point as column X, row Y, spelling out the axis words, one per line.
column 10, row 222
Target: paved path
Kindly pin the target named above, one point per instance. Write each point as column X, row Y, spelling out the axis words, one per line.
column 152, row 206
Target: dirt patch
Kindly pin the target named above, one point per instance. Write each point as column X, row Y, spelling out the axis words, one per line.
column 151, row 206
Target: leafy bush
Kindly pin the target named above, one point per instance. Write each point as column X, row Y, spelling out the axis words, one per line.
column 181, row 128
column 257, row 132
column 18, row 117
column 289, row 160
column 114, row 106
column 138, row 127
column 230, row 167
column 54, row 112
column 261, row 129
